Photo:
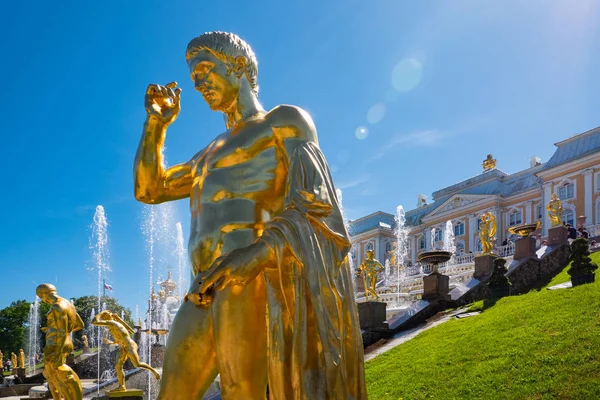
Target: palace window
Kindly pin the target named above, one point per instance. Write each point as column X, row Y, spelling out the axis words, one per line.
column 515, row 218
column 422, row 243
column 439, row 236
column 566, row 191
column 597, row 182
column 459, row 229
column 388, row 247
column 479, row 224
column 568, row 217
column 539, row 212
column 460, row 248
column 478, row 247
column 369, row 246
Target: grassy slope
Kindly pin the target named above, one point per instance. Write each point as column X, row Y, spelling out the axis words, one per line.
column 539, row 345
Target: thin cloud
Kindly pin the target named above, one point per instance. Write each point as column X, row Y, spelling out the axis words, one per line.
column 353, row 183
column 426, row 138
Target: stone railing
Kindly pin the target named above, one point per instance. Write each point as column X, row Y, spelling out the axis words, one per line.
column 505, row 251
column 465, row 258
column 414, row 270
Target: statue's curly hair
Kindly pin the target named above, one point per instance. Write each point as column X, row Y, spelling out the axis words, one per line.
column 226, row 47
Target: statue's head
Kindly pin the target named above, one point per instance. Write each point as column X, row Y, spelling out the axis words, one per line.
column 105, row 315
column 221, row 65
column 370, row 254
column 46, row 292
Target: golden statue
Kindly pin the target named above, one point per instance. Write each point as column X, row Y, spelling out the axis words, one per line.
column 84, row 338
column 369, row 269
column 1, row 361
column 120, row 332
column 21, row 358
column 555, row 211
column 487, row 232
column 13, row 360
column 267, row 234
column 63, row 319
column 489, row 163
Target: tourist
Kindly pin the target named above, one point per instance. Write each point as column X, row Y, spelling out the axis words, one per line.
column 572, row 235
column 584, row 233
column 505, row 243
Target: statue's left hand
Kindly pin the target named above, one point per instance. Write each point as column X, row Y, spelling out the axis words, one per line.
column 236, row 268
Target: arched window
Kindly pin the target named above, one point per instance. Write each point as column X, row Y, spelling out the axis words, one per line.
column 369, row 246
column 479, row 247
column 439, row 235
column 568, row 217
column 460, row 248
column 388, row 247
column 566, row 191
column 422, row 242
column 459, row 229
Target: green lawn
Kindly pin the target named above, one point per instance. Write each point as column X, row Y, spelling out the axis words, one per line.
column 541, row 345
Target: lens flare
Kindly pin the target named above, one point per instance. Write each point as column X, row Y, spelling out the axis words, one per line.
column 361, row 133
column 376, row 113
column 406, row 75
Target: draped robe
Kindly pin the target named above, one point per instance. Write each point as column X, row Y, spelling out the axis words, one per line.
column 314, row 338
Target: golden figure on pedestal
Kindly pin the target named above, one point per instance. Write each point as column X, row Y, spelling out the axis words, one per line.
column 84, row 338
column 21, row 358
column 487, row 232
column 1, row 361
column 63, row 319
column 369, row 269
column 120, row 332
column 555, row 211
column 272, row 299
column 13, row 360
column 489, row 163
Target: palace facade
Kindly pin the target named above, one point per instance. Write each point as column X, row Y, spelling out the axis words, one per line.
column 572, row 173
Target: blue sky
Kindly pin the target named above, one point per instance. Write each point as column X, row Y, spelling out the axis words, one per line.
column 429, row 87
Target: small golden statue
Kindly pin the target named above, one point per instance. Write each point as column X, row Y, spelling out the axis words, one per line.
column 1, row 361
column 63, row 319
column 120, row 332
column 555, row 211
column 84, row 338
column 21, row 358
column 489, row 163
column 369, row 269
column 13, row 359
column 487, row 232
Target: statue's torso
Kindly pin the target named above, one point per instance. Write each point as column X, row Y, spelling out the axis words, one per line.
column 238, row 185
column 56, row 331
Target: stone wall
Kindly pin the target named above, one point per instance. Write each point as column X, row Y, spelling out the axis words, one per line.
column 535, row 274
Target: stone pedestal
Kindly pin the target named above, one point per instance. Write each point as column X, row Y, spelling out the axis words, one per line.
column 558, row 236
column 371, row 314
column 20, row 372
column 484, row 266
column 436, row 287
column 525, row 248
column 129, row 394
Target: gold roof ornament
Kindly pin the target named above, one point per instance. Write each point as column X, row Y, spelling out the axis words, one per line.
column 489, row 163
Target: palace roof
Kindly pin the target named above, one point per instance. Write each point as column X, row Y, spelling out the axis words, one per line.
column 575, row 147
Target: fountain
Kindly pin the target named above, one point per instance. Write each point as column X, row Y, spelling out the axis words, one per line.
column 99, row 246
column 181, row 253
column 33, row 323
column 351, row 265
column 401, row 250
column 435, row 285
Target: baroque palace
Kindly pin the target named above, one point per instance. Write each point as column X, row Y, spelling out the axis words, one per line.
column 572, row 173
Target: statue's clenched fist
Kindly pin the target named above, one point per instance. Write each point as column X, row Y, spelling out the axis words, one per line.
column 163, row 102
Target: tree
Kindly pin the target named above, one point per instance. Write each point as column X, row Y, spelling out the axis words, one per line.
column 582, row 268
column 13, row 326
column 498, row 282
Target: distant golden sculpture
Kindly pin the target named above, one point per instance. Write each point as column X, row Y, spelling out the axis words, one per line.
column 84, row 338
column 369, row 269
column 13, row 359
column 1, row 361
column 489, row 163
column 487, row 232
column 555, row 211
column 63, row 319
column 266, row 234
column 21, row 358
column 120, row 332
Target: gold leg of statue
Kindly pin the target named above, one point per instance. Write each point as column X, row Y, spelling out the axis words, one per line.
column 272, row 299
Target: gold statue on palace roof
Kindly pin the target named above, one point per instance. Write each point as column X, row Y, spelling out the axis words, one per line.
column 489, row 163
column 555, row 211
column 487, row 232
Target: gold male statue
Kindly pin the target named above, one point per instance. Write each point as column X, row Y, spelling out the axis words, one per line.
column 13, row 360
column 555, row 211
column 21, row 358
column 63, row 319
column 1, row 361
column 84, row 338
column 120, row 332
column 369, row 269
column 487, row 232
column 272, row 300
